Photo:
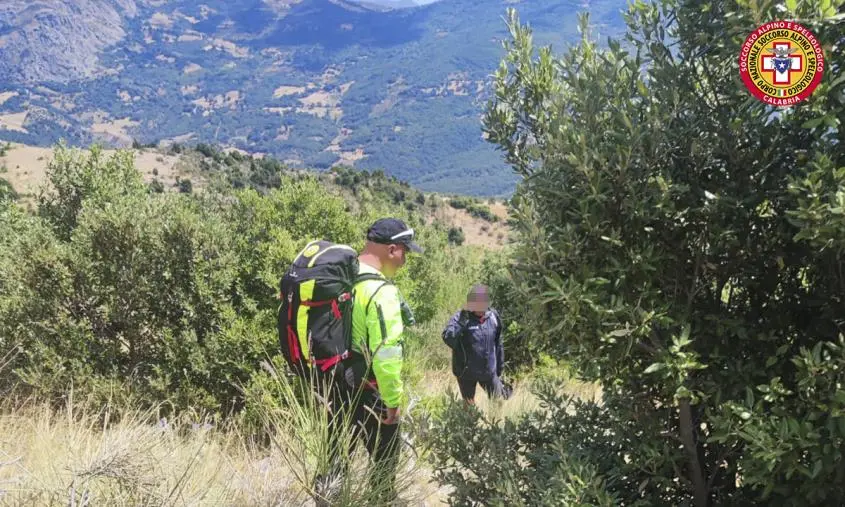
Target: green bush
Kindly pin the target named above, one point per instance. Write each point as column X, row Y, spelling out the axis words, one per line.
column 545, row 458
column 156, row 186
column 474, row 208
column 140, row 294
column 7, row 191
column 185, row 186
column 460, row 202
column 206, row 150
column 456, row 236
column 481, row 211
column 680, row 243
column 522, row 317
column 436, row 283
column 171, row 294
column 76, row 177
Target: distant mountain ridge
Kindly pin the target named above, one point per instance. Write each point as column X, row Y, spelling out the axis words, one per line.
column 312, row 82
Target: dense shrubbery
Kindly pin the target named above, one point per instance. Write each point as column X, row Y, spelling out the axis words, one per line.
column 115, row 288
column 378, row 185
column 474, row 208
column 680, row 245
column 546, row 458
column 7, row 192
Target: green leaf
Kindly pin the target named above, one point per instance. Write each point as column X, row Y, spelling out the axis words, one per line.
column 654, row 367
column 791, row 5
column 811, row 124
column 838, row 81
column 817, row 468
column 824, row 5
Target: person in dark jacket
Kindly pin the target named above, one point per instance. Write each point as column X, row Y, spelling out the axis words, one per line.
column 475, row 336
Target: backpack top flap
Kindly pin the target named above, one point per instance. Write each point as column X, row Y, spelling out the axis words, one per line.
column 334, row 266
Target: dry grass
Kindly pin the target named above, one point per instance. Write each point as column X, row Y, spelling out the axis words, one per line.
column 70, row 456
column 190, row 36
column 4, row 96
column 14, row 121
column 321, row 104
column 161, row 20
column 75, row 455
column 114, row 131
column 66, row 457
column 228, row 100
column 191, row 68
column 228, row 47
column 26, row 167
column 522, row 401
column 477, row 231
column 280, row 110
column 334, row 113
column 58, row 457
column 283, row 91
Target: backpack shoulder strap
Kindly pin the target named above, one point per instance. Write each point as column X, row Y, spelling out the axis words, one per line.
column 363, row 277
column 372, row 276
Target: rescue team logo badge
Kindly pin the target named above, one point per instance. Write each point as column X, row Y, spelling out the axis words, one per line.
column 781, row 63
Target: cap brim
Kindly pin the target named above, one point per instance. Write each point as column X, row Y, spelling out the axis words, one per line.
column 414, row 247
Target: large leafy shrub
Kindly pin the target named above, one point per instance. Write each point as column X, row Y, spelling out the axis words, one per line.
column 681, row 242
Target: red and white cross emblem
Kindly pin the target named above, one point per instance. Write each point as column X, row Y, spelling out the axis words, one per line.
column 783, row 78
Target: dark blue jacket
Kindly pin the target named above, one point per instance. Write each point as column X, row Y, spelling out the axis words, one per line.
column 476, row 344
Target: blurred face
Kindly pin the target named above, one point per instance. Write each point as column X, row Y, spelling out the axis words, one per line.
column 478, row 303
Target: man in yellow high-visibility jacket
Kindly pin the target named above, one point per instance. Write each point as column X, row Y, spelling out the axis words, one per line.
column 375, row 366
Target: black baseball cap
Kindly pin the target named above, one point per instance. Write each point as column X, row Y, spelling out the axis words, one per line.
column 390, row 231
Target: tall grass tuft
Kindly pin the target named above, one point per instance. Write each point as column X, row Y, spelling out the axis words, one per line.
column 300, row 435
column 81, row 456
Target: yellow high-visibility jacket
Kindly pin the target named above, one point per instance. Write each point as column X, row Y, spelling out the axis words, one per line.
column 377, row 333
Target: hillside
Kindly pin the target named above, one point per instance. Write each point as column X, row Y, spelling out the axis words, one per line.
column 314, row 83
column 669, row 306
column 25, row 167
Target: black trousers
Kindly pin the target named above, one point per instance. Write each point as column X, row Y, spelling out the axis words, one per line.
column 493, row 386
column 365, row 409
